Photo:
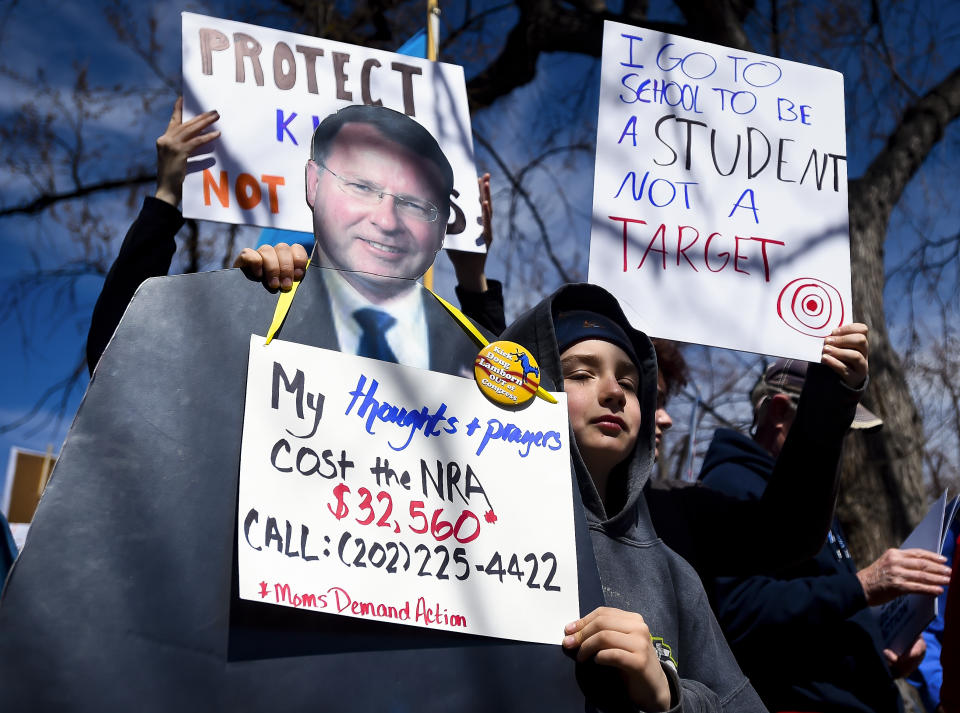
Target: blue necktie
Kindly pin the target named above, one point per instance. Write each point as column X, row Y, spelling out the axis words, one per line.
column 373, row 340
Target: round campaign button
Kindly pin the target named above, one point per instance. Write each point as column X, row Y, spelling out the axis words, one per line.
column 507, row 373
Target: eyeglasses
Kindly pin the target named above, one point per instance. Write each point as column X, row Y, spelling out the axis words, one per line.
column 372, row 194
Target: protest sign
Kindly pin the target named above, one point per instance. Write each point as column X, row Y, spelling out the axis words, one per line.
column 273, row 88
column 720, row 194
column 380, row 491
column 134, row 543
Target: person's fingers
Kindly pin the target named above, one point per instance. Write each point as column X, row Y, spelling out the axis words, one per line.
column 575, row 627
column 610, row 622
column 177, row 116
column 850, row 365
column 486, row 209
column 608, row 640
column 852, row 359
column 200, row 140
column 251, row 262
column 618, row 658
column 850, row 328
column 284, row 266
column 921, row 554
column 580, row 623
column 603, row 622
column 270, row 276
column 891, row 657
column 198, row 123
column 910, row 572
column 827, row 359
column 851, row 338
column 300, row 258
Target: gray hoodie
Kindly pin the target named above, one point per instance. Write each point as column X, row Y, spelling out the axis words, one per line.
column 637, row 571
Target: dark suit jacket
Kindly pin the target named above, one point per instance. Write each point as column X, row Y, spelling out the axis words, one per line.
column 125, row 597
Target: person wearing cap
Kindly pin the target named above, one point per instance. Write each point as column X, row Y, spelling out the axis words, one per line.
column 656, row 630
column 804, row 634
column 789, row 522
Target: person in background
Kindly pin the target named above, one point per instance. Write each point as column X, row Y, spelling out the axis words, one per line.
column 950, row 652
column 928, row 678
column 656, row 631
column 789, row 521
column 804, row 634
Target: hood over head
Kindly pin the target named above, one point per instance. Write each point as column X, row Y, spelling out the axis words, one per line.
column 535, row 330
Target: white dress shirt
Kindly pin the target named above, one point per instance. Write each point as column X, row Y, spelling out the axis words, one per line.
column 407, row 338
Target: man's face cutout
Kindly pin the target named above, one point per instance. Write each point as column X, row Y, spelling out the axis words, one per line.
column 381, row 239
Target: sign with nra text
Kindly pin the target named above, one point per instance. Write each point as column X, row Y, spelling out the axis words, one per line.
column 380, row 491
column 273, row 88
column 720, row 194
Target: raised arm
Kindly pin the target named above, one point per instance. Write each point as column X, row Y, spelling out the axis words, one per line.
column 149, row 245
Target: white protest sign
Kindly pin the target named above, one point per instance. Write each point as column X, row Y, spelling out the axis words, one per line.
column 720, row 194
column 272, row 88
column 384, row 492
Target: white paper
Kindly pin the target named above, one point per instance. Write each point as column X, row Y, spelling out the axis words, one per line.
column 756, row 260
column 513, row 488
column 263, row 148
column 902, row 619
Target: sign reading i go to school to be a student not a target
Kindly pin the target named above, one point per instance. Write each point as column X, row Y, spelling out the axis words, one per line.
column 720, row 194
column 388, row 493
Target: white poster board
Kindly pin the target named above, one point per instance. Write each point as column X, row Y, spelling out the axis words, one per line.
column 903, row 619
column 272, row 88
column 720, row 194
column 384, row 492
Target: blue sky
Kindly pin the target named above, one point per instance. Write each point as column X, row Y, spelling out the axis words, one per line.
column 44, row 337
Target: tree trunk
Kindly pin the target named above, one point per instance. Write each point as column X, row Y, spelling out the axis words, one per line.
column 882, row 495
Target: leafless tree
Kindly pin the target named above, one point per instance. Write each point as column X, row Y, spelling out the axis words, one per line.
column 903, row 95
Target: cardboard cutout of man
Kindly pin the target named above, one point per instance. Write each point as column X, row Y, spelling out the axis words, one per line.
column 378, row 185
column 125, row 596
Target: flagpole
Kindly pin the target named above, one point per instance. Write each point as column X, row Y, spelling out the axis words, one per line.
column 433, row 48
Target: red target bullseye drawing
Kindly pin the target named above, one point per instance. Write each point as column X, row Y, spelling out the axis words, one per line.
column 811, row 306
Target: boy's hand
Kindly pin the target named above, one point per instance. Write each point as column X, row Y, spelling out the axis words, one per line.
column 177, row 143
column 621, row 639
column 276, row 266
column 845, row 351
column 470, row 266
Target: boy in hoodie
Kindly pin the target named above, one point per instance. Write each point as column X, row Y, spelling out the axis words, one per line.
column 657, row 630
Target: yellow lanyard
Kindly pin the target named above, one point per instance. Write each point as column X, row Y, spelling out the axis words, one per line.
column 285, row 299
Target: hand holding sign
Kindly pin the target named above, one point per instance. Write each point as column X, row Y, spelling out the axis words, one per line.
column 621, row 639
column 708, row 162
column 276, row 266
column 846, row 351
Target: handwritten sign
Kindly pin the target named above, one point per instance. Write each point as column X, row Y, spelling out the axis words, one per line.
column 273, row 88
column 379, row 491
column 720, row 194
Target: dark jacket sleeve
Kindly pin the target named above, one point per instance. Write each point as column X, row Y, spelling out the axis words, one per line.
column 484, row 308
column 146, row 252
column 790, row 521
column 802, row 492
column 785, row 609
